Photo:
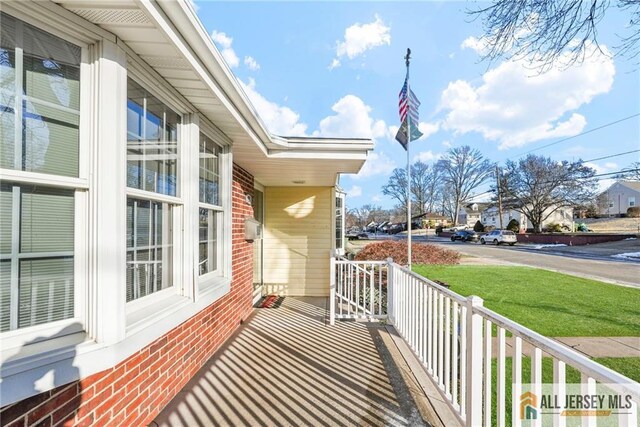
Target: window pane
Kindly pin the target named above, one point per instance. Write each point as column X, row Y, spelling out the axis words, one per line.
column 51, row 140
column 7, row 102
column 209, row 171
column 152, row 142
column 149, row 247
column 46, row 220
column 6, row 212
column 46, row 291
column 208, row 240
column 5, row 295
column 49, row 99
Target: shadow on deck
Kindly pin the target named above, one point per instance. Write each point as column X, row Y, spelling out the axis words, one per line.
column 285, row 366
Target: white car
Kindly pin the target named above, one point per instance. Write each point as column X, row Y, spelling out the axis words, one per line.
column 499, row 236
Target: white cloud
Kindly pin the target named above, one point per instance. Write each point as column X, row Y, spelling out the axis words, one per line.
column 278, row 119
column 352, row 119
column 251, row 63
column 376, row 164
column 359, row 38
column 479, row 46
column 376, row 198
column 447, row 144
column 354, row 191
column 428, row 129
column 425, row 157
column 224, row 42
column 516, row 106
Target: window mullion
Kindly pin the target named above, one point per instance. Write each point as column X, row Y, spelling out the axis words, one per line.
column 15, row 260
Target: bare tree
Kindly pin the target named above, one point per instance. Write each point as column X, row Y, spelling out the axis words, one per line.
column 631, row 172
column 462, row 169
column 546, row 30
column 422, row 187
column 396, row 187
column 366, row 214
column 538, row 186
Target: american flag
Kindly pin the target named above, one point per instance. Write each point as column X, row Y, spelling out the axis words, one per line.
column 408, row 104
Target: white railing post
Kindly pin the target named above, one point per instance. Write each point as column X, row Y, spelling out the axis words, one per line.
column 473, row 387
column 391, row 314
column 332, row 289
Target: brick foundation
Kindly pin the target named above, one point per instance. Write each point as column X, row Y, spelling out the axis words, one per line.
column 133, row 392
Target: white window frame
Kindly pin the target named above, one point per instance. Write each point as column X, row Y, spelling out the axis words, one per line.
column 631, row 201
column 338, row 195
column 79, row 185
column 141, row 312
column 218, row 281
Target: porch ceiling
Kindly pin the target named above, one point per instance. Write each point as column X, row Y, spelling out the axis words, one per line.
column 168, row 36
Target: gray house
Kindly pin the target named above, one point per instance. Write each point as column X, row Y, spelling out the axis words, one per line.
column 621, row 196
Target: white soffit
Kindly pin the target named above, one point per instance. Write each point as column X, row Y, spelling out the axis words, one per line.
column 159, row 33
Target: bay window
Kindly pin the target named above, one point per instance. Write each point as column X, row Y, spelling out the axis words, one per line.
column 153, row 154
column 39, row 142
column 210, row 211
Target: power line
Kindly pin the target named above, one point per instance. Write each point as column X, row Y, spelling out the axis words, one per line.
column 610, row 156
column 582, row 133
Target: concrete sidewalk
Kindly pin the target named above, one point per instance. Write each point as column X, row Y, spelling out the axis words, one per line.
column 589, row 346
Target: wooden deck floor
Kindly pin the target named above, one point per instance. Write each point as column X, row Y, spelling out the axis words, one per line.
column 286, row 367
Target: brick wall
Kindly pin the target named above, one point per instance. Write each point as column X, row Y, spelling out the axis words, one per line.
column 135, row 391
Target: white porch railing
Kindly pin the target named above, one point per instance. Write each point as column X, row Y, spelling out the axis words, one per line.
column 453, row 337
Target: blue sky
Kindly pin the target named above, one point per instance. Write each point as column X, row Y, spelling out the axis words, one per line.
column 335, row 69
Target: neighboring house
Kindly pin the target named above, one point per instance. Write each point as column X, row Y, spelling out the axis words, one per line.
column 143, row 207
column 621, row 196
column 491, row 217
column 471, row 213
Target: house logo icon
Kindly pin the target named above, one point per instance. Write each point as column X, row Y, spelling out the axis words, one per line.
column 528, row 405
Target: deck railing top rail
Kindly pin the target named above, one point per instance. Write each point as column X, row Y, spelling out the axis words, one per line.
column 561, row 352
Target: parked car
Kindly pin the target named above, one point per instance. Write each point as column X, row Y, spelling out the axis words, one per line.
column 465, row 236
column 499, row 236
column 396, row 228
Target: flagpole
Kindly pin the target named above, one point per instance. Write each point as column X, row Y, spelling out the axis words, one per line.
column 407, row 58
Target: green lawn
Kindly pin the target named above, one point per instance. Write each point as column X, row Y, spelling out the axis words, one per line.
column 552, row 304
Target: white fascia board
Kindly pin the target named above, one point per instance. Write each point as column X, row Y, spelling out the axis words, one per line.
column 324, row 155
column 179, row 22
column 323, row 143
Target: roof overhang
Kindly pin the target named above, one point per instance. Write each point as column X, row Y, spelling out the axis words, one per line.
column 169, row 37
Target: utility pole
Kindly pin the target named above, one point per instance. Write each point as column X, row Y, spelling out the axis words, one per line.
column 499, row 195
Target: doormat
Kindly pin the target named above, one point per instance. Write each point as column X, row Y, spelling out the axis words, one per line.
column 270, row 301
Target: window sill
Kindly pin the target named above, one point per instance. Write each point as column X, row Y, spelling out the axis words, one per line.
column 213, row 285
column 44, row 365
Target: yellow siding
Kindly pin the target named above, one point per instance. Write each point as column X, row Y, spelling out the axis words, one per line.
column 297, row 240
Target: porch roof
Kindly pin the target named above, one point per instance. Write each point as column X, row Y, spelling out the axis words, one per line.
column 169, row 38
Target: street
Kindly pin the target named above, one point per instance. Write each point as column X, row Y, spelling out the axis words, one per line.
column 621, row 272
